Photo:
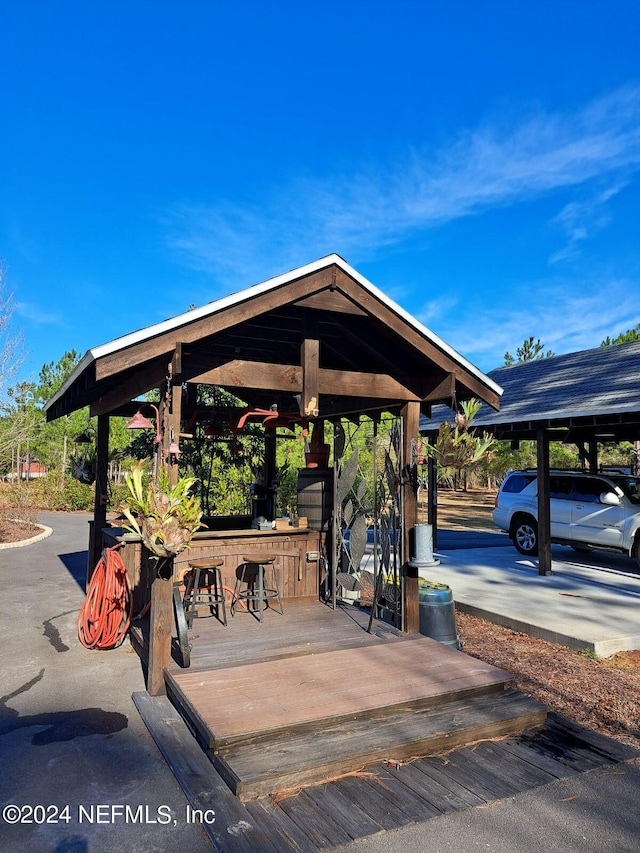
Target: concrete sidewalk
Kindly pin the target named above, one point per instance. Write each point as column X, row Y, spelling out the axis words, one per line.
column 591, row 601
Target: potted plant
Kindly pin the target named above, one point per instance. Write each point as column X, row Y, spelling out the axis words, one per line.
column 457, row 446
column 165, row 516
column 82, row 466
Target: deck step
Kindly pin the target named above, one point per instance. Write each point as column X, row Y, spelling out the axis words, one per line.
column 239, row 704
column 268, row 764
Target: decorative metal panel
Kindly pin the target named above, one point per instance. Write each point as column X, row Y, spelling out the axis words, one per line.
column 368, row 516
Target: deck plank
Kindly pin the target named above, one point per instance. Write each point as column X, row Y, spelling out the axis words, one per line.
column 319, row 826
column 371, row 798
column 279, row 826
column 234, row 830
column 328, row 799
column 461, row 767
column 407, row 798
column 510, row 766
column 442, row 798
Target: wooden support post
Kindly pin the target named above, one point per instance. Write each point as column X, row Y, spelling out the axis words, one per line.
column 100, row 495
column 432, row 493
column 161, row 614
column 175, row 412
column 544, row 506
column 270, row 472
column 160, row 628
column 310, row 361
column 410, row 419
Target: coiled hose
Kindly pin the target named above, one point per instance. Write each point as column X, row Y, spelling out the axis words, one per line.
column 104, row 618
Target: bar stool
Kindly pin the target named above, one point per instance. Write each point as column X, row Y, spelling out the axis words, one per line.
column 203, row 585
column 250, row 584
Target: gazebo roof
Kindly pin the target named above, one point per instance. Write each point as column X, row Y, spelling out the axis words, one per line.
column 372, row 354
column 579, row 396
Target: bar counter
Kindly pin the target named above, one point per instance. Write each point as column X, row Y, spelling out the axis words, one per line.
column 296, row 551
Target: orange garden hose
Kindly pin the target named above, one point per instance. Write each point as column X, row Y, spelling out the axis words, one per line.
column 104, row 617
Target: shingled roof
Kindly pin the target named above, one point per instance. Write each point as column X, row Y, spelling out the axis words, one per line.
column 591, row 394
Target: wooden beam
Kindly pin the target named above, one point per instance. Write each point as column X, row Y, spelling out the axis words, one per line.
column 160, row 628
column 254, row 374
column 343, row 287
column 126, row 391
column 101, row 495
column 288, row 377
column 176, row 363
column 372, row 305
column 441, row 389
column 410, row 418
column 331, row 300
column 175, row 411
column 310, row 361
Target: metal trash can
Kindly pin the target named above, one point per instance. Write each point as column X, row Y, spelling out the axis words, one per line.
column 438, row 613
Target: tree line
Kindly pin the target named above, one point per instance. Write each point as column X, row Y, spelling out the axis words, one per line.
column 26, row 437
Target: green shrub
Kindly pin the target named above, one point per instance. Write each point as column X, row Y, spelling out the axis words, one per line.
column 70, row 495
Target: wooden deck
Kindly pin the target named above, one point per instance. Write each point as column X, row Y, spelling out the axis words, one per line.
column 428, row 755
column 388, row 796
column 311, row 695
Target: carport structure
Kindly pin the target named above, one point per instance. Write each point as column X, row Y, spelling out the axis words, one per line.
column 582, row 398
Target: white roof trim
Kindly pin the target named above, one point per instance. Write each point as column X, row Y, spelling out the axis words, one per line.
column 256, row 290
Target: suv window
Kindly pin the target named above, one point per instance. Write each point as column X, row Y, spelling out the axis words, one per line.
column 589, row 489
column 630, row 486
column 560, row 487
column 515, row 483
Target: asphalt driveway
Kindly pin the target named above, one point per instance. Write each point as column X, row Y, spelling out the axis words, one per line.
column 72, row 743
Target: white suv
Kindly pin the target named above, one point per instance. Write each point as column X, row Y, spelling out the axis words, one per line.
column 587, row 511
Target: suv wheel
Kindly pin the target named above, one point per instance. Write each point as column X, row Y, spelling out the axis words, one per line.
column 525, row 535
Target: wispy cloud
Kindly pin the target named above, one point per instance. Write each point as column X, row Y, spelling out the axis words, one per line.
column 563, row 320
column 32, row 312
column 580, row 220
column 358, row 215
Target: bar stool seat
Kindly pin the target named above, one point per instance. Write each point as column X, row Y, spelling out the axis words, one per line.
column 252, row 585
column 203, row 585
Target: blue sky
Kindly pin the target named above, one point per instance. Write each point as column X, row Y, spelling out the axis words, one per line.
column 477, row 161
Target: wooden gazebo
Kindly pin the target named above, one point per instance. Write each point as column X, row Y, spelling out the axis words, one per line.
column 323, row 341
column 321, row 335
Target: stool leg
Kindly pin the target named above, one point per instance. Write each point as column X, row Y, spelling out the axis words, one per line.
column 191, row 609
column 260, row 592
column 236, row 590
column 219, row 594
